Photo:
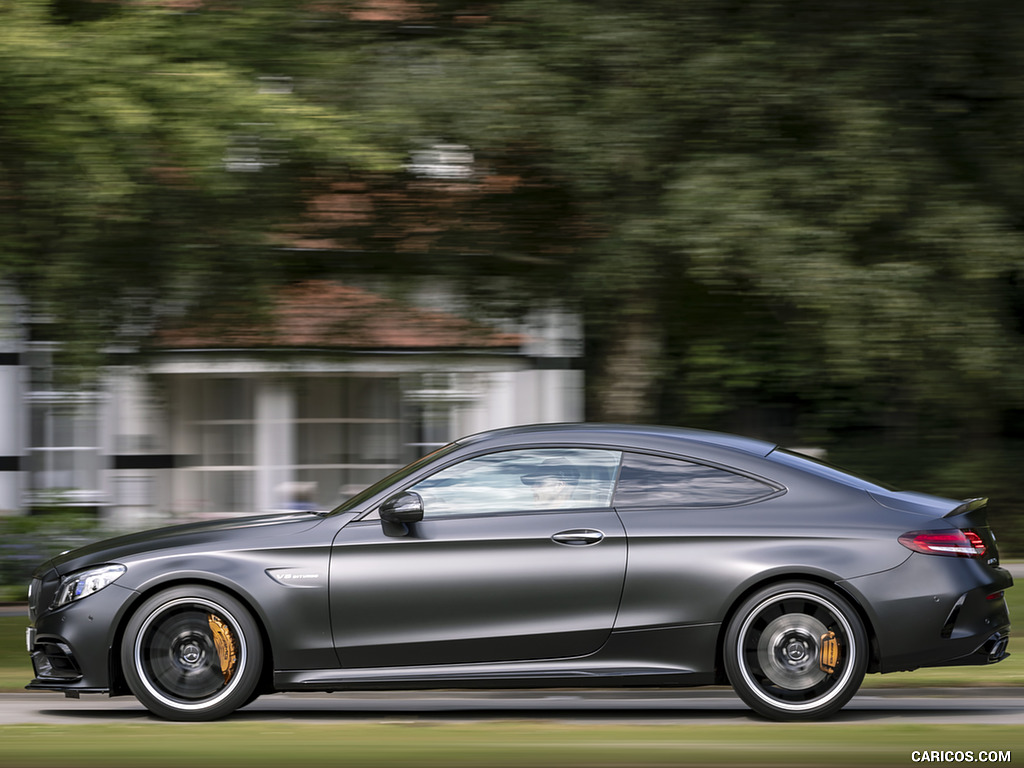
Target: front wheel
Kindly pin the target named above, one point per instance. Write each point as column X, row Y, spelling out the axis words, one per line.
column 192, row 653
column 795, row 651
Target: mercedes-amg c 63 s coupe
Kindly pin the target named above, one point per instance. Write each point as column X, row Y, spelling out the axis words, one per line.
column 543, row 556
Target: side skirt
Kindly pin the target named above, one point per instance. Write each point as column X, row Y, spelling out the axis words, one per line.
column 666, row 656
column 500, row 675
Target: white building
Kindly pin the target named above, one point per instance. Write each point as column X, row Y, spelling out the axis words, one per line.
column 334, row 389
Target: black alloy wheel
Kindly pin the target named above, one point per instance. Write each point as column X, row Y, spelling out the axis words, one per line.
column 796, row 651
column 192, row 653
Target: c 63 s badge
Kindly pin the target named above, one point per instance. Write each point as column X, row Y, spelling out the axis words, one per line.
column 301, row 578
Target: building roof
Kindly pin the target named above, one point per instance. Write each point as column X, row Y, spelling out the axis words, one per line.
column 329, row 315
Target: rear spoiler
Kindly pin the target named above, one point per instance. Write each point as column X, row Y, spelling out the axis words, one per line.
column 969, row 505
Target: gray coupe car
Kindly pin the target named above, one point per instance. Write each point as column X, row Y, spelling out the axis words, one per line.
column 542, row 556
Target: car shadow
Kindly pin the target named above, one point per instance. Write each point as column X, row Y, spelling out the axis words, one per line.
column 650, row 707
column 633, row 715
column 666, row 715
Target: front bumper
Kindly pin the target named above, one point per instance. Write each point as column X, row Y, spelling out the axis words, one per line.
column 73, row 648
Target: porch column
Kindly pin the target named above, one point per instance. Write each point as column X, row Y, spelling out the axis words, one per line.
column 13, row 437
column 275, row 443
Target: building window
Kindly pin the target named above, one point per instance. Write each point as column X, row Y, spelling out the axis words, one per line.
column 348, row 434
column 431, row 399
column 218, row 430
column 248, row 444
column 64, row 457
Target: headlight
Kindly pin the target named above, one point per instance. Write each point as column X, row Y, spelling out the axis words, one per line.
column 84, row 583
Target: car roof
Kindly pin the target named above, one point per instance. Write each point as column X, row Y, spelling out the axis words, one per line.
column 623, row 435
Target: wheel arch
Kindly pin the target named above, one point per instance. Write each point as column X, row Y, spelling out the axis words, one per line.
column 813, row 577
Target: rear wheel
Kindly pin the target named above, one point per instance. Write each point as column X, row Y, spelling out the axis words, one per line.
column 192, row 653
column 795, row 651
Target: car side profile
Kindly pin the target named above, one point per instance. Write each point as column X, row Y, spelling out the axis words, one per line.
column 570, row 555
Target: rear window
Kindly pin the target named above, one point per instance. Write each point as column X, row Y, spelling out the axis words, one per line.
column 658, row 481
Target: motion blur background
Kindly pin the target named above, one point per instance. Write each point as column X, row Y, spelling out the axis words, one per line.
column 254, row 255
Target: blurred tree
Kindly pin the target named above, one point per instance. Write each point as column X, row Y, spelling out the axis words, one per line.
column 786, row 217
column 144, row 153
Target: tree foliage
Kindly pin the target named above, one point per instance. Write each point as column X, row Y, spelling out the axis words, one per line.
column 144, row 153
column 813, row 206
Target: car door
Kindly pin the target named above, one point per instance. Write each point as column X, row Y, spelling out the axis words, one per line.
column 519, row 556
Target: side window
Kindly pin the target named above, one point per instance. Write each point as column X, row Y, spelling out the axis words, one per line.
column 656, row 481
column 532, row 480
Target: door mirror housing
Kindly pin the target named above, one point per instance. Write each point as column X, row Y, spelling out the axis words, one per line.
column 405, row 507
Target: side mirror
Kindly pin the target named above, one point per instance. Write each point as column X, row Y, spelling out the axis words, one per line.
column 398, row 511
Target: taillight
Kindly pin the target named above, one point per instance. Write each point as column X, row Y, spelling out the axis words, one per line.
column 952, row 543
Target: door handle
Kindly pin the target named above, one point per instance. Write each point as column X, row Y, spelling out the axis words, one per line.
column 579, row 537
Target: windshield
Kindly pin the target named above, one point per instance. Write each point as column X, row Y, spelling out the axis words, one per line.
column 391, row 479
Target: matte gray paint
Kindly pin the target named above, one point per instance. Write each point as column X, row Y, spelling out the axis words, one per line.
column 513, row 594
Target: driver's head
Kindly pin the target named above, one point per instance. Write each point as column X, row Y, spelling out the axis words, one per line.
column 553, row 480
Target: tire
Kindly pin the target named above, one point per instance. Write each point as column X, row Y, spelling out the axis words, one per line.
column 780, row 656
column 192, row 653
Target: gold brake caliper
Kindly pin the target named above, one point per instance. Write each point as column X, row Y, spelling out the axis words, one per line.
column 225, row 644
column 829, row 656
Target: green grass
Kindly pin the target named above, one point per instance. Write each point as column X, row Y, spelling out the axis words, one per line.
column 15, row 668
column 497, row 744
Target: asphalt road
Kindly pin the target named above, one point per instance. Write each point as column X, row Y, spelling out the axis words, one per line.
column 1003, row 706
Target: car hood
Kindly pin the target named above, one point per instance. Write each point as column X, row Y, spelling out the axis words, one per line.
column 225, row 533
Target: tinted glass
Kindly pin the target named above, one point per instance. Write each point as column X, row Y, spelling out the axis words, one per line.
column 656, row 481
column 531, row 480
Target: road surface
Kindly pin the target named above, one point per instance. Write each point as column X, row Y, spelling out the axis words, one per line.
column 1003, row 706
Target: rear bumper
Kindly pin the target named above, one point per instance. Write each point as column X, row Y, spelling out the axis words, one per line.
column 935, row 611
column 992, row 650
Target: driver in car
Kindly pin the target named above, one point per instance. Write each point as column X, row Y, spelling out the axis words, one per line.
column 552, row 483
